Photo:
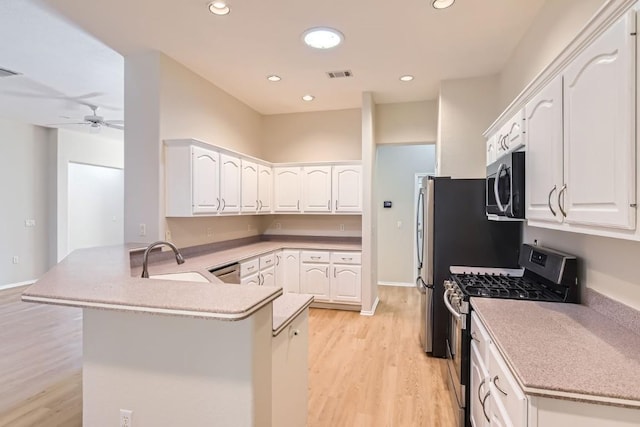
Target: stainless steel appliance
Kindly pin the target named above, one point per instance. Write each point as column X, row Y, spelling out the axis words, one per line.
column 545, row 275
column 228, row 273
column 505, row 187
column 453, row 230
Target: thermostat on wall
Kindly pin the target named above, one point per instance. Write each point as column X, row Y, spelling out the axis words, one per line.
column 386, row 204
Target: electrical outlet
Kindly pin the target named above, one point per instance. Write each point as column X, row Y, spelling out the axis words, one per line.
column 142, row 230
column 209, row 232
column 126, row 416
column 278, row 226
column 167, row 236
column 29, row 222
column 15, row 259
column 341, row 227
column 249, row 227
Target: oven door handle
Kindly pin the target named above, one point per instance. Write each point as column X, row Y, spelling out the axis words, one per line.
column 449, row 306
column 496, row 188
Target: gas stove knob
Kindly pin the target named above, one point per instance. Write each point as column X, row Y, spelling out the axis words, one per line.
column 448, row 285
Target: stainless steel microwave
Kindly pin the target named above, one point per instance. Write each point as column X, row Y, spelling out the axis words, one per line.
column 505, row 187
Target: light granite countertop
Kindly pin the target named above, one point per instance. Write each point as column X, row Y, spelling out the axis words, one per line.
column 103, row 278
column 567, row 351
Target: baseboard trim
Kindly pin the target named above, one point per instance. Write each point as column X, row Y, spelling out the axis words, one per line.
column 401, row 284
column 373, row 309
column 17, row 285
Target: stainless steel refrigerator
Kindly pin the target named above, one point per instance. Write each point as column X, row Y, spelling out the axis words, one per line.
column 452, row 229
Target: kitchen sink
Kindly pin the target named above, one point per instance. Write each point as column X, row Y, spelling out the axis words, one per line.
column 189, row 276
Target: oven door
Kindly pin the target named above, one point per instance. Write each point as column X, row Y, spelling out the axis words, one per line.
column 457, row 322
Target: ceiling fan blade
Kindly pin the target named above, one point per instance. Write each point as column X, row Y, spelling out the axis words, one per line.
column 60, row 124
column 115, row 122
column 113, row 126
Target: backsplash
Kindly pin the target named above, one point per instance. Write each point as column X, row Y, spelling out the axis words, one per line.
column 620, row 313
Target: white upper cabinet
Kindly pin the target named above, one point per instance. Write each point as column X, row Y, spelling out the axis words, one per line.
column 491, row 149
column 599, row 131
column 316, row 188
column 347, row 188
column 288, row 186
column 230, row 172
column 206, row 184
column 250, row 201
column 544, row 153
column 265, row 188
column 513, row 133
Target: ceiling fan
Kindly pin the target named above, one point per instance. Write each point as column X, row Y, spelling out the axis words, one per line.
column 96, row 121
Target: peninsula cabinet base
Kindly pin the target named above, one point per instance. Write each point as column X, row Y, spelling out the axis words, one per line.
column 337, row 306
column 177, row 371
column 556, row 412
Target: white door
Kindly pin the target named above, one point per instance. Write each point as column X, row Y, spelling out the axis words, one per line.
column 314, row 280
column 599, row 131
column 347, row 188
column 544, row 153
column 316, row 188
column 268, row 276
column 265, row 188
column 95, row 206
column 346, row 283
column 514, row 136
column 252, row 279
column 479, row 389
column 287, row 189
column 288, row 270
column 249, row 187
column 230, row 173
column 206, row 180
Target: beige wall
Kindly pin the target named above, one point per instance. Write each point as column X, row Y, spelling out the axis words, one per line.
column 607, row 265
column 555, row 26
column 466, row 109
column 313, row 225
column 312, row 137
column 396, row 171
column 407, row 123
column 369, row 213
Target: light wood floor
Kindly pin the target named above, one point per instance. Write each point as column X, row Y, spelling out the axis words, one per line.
column 363, row 371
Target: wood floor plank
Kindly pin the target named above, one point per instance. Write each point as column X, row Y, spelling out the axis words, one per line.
column 363, row 371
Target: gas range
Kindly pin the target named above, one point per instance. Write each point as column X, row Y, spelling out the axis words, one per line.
column 504, row 286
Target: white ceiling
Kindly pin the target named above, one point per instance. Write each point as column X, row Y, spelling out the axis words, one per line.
column 383, row 40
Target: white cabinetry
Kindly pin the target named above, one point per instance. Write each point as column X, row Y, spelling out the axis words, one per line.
column 288, row 187
column 206, row 180
column 599, row 131
column 331, row 276
column 260, row 271
column 288, row 270
column 347, row 188
column 316, row 188
column 250, row 202
column 314, row 274
column 265, row 188
column 510, row 137
column 491, row 149
column 230, row 172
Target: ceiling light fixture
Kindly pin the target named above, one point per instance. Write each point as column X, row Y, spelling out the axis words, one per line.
column 219, row 8
column 322, row 37
column 274, row 78
column 308, row 98
column 442, row 4
column 406, row 78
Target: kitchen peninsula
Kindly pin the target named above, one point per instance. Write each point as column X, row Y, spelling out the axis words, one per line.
column 183, row 353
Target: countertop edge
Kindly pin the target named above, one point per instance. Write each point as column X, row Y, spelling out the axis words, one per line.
column 291, row 318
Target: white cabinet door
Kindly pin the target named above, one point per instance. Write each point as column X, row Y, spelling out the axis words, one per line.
column 544, row 156
column 514, row 132
column 288, row 270
column 287, row 189
column 206, row 184
column 599, row 131
column 491, row 149
column 316, row 188
column 346, row 283
column 230, row 173
column 314, row 280
column 479, row 389
column 249, row 187
column 268, row 276
column 252, row 279
column 265, row 188
column 347, row 188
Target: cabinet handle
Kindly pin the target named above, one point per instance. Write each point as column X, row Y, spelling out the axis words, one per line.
column 336, row 204
column 326, row 272
column 268, row 261
column 549, row 200
column 224, row 204
column 315, row 257
column 260, row 280
column 294, row 333
column 257, row 205
column 484, row 380
column 298, row 205
column 334, row 271
column 277, row 260
column 564, row 187
column 484, row 409
column 346, row 259
column 218, row 207
column 328, row 205
column 260, row 201
column 474, row 337
column 495, row 383
column 251, row 268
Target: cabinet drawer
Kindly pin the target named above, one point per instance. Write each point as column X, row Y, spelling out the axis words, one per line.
column 249, row 267
column 505, row 389
column 479, row 335
column 268, row 260
column 314, row 256
column 346, row 257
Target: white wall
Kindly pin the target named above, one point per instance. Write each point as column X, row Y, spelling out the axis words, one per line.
column 25, row 173
column 396, row 168
column 369, row 213
column 407, row 122
column 466, row 109
column 608, row 266
column 80, row 147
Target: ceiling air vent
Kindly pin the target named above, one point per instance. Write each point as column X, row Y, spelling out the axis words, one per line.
column 339, row 74
column 7, row 73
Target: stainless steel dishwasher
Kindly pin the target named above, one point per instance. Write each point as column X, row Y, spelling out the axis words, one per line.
column 229, row 273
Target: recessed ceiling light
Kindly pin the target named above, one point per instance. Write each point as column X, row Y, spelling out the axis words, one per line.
column 274, row 78
column 219, row 8
column 308, row 98
column 442, row 4
column 322, row 37
column 406, row 78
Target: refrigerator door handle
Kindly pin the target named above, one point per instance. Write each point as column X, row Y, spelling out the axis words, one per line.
column 419, row 228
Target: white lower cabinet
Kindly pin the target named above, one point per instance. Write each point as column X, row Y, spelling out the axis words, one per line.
column 332, row 276
column 268, row 276
column 314, row 279
column 288, row 270
column 259, row 271
column 479, row 390
column 252, row 279
column 289, row 385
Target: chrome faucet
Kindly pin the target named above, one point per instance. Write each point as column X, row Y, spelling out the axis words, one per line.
column 145, row 257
